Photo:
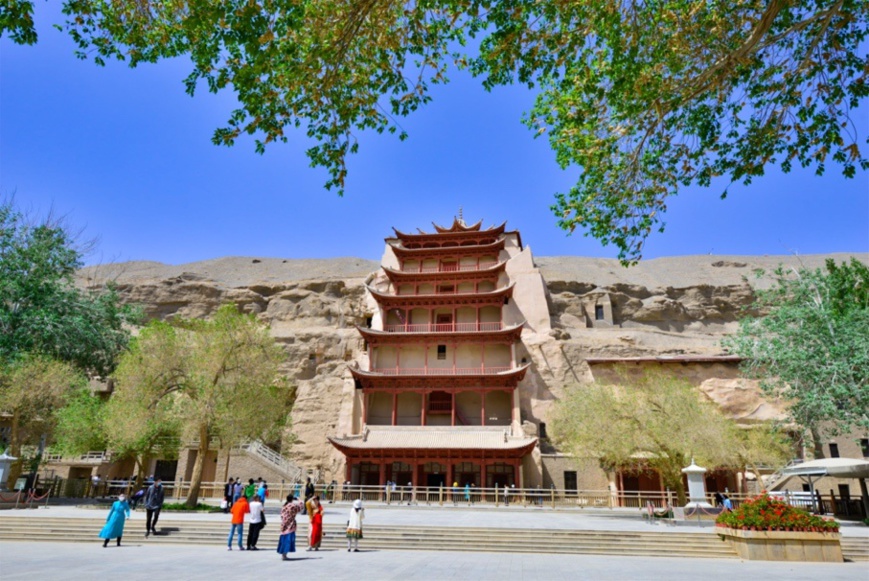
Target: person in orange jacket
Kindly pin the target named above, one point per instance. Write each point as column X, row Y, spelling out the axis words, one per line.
column 239, row 509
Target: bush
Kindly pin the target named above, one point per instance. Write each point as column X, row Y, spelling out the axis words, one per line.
column 181, row 507
column 768, row 514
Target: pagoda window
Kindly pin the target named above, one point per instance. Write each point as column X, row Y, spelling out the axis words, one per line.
column 449, row 266
column 369, row 321
column 598, row 313
column 442, row 352
column 445, row 289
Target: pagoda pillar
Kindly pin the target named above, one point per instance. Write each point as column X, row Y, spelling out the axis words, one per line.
column 382, row 472
column 451, row 476
column 453, row 423
column 513, row 355
column 482, row 408
column 422, row 411
column 395, row 407
column 365, row 408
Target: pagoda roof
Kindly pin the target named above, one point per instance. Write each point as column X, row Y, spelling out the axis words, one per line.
column 440, row 378
column 440, row 252
column 459, row 226
column 504, row 335
column 390, row 301
column 454, row 238
column 488, row 272
column 418, row 438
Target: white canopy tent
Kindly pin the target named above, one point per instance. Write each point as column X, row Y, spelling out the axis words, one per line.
column 813, row 470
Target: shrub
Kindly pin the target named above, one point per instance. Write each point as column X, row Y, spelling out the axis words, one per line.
column 765, row 513
column 182, row 507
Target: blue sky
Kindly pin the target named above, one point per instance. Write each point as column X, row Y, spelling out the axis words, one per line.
column 126, row 154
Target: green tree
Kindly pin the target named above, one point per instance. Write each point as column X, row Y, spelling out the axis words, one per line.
column 41, row 309
column 217, row 379
column 32, row 388
column 79, row 424
column 654, row 421
column 48, row 326
column 810, row 346
column 645, row 98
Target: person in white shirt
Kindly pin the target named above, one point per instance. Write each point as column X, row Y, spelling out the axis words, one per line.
column 257, row 522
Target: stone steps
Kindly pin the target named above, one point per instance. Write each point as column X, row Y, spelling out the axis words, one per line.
column 209, row 533
column 379, row 537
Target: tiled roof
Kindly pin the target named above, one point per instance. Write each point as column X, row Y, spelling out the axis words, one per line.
column 434, row 437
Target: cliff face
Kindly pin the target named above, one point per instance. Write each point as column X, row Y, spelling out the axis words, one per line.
column 663, row 307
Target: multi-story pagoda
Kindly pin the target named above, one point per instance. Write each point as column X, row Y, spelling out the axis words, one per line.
column 439, row 398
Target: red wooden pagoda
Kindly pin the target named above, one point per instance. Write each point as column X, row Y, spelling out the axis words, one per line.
column 439, row 399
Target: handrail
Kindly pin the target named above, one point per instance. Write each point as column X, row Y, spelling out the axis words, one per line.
column 459, row 268
column 444, row 327
column 439, row 371
column 291, row 469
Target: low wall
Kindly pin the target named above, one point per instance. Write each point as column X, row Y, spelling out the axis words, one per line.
column 784, row 545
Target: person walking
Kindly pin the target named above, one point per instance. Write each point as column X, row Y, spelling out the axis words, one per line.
column 118, row 514
column 239, row 509
column 354, row 526
column 257, row 522
column 309, row 489
column 316, row 516
column 468, row 493
column 227, row 495
column 153, row 502
column 236, row 489
column 287, row 540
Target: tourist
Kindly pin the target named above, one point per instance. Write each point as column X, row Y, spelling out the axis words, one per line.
column 728, row 505
column 287, row 540
column 236, row 489
column 330, row 491
column 257, row 522
column 315, row 537
column 137, row 498
column 114, row 528
column 354, row 526
column 719, row 499
column 261, row 490
column 468, row 493
column 506, row 495
column 153, row 505
column 455, row 493
column 227, row 494
column 239, row 509
column 309, row 489
column 250, row 488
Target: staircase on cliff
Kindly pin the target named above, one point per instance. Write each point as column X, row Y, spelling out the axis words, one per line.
column 289, row 469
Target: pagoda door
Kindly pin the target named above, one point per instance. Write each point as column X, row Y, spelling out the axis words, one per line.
column 444, row 322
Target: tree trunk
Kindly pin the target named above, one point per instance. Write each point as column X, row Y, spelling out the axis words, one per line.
column 14, row 450
column 817, row 443
column 196, row 477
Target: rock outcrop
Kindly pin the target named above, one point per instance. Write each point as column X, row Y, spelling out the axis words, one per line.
column 664, row 307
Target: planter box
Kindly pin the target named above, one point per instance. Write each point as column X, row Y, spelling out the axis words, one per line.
column 783, row 545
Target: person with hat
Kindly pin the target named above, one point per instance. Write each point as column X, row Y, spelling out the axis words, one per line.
column 354, row 526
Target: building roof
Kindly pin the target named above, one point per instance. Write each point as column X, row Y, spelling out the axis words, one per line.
column 441, row 379
column 459, row 226
column 667, row 359
column 433, row 333
column 421, row 253
column 488, row 271
column 434, row 438
column 441, row 237
column 390, row 301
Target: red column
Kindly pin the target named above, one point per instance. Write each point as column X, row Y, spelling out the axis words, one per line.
column 382, row 472
column 516, row 472
column 482, row 408
column 423, row 408
column 395, row 408
column 365, row 408
column 483, row 357
column 348, row 469
column 451, row 476
column 454, row 409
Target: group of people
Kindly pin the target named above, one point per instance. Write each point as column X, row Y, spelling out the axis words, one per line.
column 292, row 507
column 119, row 512
column 249, row 501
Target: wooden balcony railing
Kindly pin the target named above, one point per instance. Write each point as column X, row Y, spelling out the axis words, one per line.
column 439, row 370
column 444, row 327
column 452, row 268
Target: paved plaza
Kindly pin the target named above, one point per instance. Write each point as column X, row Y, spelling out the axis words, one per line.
column 138, row 559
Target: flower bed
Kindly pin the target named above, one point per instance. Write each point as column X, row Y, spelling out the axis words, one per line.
column 764, row 513
column 764, row 528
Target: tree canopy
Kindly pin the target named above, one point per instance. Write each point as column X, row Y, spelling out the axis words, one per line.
column 41, row 309
column 658, row 422
column 215, row 380
column 810, row 346
column 645, row 98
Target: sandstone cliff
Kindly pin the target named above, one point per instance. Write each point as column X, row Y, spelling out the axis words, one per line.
column 662, row 307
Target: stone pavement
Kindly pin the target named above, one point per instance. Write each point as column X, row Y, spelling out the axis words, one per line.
column 137, row 560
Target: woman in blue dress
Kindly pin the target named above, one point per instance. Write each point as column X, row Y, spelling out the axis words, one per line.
column 118, row 514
